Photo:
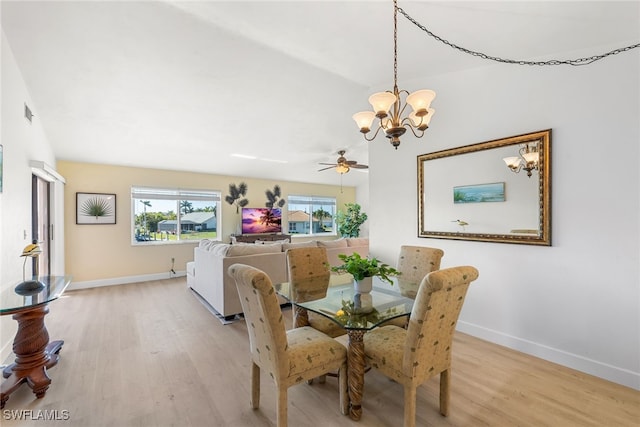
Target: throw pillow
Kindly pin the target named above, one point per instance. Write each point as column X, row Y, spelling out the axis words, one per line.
column 339, row 243
column 241, row 250
column 357, row 241
column 309, row 244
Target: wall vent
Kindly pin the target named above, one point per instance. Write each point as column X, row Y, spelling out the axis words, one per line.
column 27, row 113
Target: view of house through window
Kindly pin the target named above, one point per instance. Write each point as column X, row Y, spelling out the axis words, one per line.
column 169, row 215
column 311, row 215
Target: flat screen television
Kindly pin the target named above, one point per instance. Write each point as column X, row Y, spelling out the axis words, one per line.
column 261, row 220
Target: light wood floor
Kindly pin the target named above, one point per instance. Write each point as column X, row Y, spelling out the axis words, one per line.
column 150, row 354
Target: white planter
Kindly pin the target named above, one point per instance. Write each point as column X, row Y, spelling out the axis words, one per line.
column 363, row 286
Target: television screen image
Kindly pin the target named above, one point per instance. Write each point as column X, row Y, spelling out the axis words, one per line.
column 261, row 220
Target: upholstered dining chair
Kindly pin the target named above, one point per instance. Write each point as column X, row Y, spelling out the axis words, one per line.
column 290, row 357
column 413, row 355
column 415, row 262
column 309, row 275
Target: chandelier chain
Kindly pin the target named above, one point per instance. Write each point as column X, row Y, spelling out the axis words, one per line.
column 395, row 43
column 574, row 62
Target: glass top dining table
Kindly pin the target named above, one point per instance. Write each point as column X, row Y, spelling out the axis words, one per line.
column 357, row 314
column 351, row 310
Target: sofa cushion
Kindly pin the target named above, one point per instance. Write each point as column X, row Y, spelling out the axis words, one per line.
column 207, row 244
column 241, row 250
column 357, row 241
column 220, row 250
column 309, row 244
column 339, row 243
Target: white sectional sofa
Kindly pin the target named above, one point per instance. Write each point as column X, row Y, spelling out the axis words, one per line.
column 207, row 275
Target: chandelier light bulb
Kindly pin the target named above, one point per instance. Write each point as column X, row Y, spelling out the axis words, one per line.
column 531, row 157
column 420, row 101
column 364, row 119
column 512, row 162
column 382, row 102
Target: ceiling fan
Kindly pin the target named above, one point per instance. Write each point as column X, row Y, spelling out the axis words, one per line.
column 342, row 165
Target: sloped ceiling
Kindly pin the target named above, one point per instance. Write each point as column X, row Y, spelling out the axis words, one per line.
column 192, row 85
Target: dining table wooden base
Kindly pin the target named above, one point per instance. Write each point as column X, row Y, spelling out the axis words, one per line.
column 356, row 368
column 34, row 355
column 389, row 301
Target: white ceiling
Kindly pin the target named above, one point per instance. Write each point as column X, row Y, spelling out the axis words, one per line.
column 185, row 85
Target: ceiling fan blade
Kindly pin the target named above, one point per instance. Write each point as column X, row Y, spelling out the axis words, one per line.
column 324, row 169
column 351, row 162
column 331, row 164
column 360, row 166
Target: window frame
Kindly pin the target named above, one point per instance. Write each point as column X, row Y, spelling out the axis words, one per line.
column 312, row 201
column 177, row 195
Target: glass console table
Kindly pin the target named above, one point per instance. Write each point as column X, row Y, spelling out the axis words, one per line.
column 34, row 353
column 357, row 314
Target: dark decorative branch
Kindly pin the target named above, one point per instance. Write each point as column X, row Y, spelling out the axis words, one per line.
column 236, row 194
column 273, row 198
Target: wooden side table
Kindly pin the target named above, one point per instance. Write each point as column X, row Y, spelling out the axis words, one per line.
column 34, row 353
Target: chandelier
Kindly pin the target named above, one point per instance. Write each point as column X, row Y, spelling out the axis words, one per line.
column 389, row 107
column 528, row 160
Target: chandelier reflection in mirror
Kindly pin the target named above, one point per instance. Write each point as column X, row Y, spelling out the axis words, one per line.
column 528, row 160
column 389, row 108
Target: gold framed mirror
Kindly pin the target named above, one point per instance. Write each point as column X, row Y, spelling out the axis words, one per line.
column 493, row 191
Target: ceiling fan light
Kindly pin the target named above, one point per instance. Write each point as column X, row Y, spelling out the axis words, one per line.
column 420, row 101
column 381, row 102
column 364, row 119
column 342, row 169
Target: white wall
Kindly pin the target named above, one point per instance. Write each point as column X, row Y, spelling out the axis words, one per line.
column 577, row 302
column 22, row 141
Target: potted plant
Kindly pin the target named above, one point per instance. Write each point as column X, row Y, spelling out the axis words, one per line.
column 363, row 269
column 349, row 222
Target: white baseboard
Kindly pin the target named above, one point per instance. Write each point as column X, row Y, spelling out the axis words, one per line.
column 611, row 373
column 123, row 280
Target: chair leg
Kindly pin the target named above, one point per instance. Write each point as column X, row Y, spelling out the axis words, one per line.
column 445, row 380
column 344, row 391
column 255, row 386
column 282, row 407
column 409, row 406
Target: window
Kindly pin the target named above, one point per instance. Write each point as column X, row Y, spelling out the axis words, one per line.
column 311, row 215
column 169, row 215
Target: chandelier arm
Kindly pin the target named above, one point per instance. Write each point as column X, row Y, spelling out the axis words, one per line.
column 404, row 106
column 574, row 62
column 408, row 122
column 413, row 131
column 374, row 135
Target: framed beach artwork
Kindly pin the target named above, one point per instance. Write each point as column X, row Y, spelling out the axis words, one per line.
column 479, row 193
column 95, row 208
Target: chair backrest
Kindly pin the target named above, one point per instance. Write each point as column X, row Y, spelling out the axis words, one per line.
column 309, row 273
column 265, row 323
column 433, row 321
column 415, row 262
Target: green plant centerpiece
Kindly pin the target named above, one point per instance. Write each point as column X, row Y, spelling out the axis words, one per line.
column 349, row 222
column 360, row 267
